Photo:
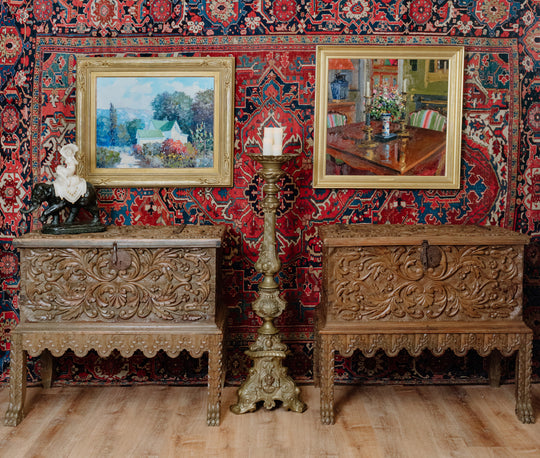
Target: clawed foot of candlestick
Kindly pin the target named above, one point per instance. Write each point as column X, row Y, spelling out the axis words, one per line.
column 268, row 382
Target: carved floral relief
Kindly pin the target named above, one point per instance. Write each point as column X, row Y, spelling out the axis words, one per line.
column 391, row 283
column 82, row 284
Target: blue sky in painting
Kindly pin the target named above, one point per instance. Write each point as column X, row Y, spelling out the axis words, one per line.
column 138, row 92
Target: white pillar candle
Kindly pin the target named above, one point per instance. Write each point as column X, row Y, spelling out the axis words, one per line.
column 278, row 141
column 272, row 141
column 267, row 142
column 368, row 89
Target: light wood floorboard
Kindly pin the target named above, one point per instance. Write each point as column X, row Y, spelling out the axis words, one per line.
column 371, row 421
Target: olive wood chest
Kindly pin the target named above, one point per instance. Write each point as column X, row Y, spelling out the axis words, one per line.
column 395, row 287
column 130, row 288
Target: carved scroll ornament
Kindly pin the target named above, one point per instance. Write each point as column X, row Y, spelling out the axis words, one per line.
column 416, row 343
column 81, row 284
column 126, row 344
column 390, row 282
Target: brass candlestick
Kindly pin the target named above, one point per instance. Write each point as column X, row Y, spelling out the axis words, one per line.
column 368, row 141
column 268, row 380
column 403, row 132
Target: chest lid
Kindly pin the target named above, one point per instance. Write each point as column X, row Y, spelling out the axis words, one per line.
column 337, row 235
column 130, row 236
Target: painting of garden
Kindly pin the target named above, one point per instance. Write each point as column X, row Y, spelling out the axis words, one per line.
column 154, row 122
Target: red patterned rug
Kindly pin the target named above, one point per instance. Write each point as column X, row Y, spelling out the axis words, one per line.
column 275, row 79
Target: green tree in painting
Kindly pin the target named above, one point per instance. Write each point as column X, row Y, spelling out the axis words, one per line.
column 174, row 107
column 103, row 130
column 132, row 127
column 203, row 109
column 113, row 126
column 123, row 135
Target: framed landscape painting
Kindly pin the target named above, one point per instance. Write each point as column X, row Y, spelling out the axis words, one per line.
column 388, row 117
column 156, row 121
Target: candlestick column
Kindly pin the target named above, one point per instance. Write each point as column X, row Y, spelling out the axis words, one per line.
column 268, row 380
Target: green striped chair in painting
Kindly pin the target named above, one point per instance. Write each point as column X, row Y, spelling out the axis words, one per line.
column 336, row 119
column 428, row 119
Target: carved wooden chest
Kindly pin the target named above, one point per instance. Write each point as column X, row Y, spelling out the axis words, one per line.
column 395, row 287
column 129, row 288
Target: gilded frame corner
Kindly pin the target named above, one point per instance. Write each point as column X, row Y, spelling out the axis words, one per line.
column 220, row 70
column 324, row 176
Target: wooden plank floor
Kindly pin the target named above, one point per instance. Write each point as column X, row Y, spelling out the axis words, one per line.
column 372, row 421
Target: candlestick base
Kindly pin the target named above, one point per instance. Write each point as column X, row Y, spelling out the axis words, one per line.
column 268, row 380
column 368, row 142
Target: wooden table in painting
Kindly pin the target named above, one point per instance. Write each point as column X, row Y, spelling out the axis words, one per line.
column 422, row 149
column 129, row 288
column 394, row 287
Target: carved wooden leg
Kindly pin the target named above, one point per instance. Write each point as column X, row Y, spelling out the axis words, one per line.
column 215, row 380
column 327, row 380
column 524, row 410
column 495, row 368
column 46, row 368
column 316, row 360
column 17, row 382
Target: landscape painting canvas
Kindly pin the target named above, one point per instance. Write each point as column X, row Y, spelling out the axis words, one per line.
column 168, row 124
column 154, row 121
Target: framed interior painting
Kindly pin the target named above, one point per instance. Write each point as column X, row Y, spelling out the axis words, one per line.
column 388, row 117
column 156, row 121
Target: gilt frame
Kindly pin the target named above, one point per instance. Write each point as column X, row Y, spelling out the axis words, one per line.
column 447, row 176
column 218, row 72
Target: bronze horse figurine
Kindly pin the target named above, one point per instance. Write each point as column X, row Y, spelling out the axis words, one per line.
column 44, row 193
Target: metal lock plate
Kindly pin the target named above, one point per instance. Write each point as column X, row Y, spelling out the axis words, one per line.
column 120, row 259
column 431, row 255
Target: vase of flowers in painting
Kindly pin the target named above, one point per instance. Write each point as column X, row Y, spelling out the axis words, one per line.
column 387, row 106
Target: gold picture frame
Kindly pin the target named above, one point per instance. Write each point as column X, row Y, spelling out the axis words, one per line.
column 358, row 87
column 156, row 121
